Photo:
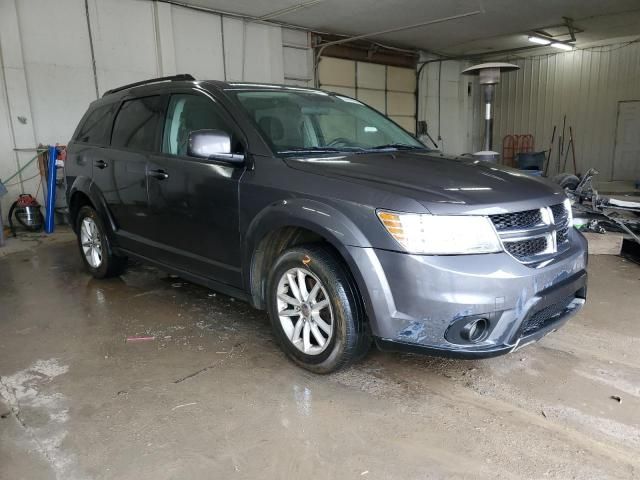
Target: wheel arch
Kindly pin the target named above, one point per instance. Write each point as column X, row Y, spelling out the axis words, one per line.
column 295, row 222
column 85, row 192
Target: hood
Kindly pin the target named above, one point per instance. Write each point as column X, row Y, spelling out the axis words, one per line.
column 441, row 183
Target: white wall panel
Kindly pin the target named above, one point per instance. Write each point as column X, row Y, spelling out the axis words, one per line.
column 297, row 57
column 197, row 40
column 8, row 163
column 263, row 60
column 446, row 106
column 58, row 71
column 48, row 80
column 234, row 35
column 584, row 85
column 124, row 39
column 297, row 65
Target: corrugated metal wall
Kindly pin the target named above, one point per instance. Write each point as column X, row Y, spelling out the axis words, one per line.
column 586, row 85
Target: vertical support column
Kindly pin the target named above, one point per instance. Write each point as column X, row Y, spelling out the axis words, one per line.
column 50, row 221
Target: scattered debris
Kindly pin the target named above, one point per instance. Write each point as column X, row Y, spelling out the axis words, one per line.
column 197, row 372
column 177, row 285
column 616, row 398
column 602, row 213
column 183, row 405
column 364, row 473
column 544, row 414
column 135, row 339
column 5, row 414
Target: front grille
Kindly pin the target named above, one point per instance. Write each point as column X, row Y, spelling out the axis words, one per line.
column 562, row 235
column 547, row 315
column 533, row 235
column 517, row 221
column 526, row 248
column 559, row 213
column 561, row 218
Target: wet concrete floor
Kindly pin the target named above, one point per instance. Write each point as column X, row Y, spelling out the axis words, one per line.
column 211, row 396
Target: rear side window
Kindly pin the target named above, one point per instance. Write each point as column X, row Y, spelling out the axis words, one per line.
column 136, row 125
column 96, row 127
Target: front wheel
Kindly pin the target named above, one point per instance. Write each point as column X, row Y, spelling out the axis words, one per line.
column 316, row 314
column 95, row 249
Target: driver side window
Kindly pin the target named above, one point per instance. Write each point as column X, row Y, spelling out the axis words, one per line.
column 188, row 113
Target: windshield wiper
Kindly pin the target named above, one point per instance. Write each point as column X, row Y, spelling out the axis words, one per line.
column 396, row 146
column 321, row 150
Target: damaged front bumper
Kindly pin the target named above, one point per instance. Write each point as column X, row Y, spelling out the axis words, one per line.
column 425, row 304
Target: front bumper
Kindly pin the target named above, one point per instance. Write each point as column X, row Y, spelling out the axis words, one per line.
column 417, row 303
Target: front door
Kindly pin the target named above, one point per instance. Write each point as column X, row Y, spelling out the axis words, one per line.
column 626, row 163
column 193, row 202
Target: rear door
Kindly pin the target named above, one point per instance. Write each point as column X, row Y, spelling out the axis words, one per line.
column 122, row 171
column 89, row 143
column 193, row 202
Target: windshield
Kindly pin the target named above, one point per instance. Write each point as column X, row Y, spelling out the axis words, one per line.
column 311, row 121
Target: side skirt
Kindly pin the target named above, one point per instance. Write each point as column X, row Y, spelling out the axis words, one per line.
column 206, row 282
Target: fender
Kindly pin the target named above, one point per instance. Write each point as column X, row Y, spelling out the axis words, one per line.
column 313, row 215
column 86, row 186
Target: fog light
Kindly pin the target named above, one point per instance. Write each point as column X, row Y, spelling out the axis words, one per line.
column 475, row 330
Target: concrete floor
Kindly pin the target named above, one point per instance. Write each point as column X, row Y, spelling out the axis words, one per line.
column 213, row 397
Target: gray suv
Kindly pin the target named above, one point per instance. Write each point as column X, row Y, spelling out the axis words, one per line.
column 327, row 214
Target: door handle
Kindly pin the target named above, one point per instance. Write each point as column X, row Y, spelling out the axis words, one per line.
column 159, row 173
column 101, row 164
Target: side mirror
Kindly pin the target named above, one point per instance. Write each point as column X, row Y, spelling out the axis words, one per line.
column 213, row 145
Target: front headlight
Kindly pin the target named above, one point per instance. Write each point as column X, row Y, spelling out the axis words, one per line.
column 441, row 234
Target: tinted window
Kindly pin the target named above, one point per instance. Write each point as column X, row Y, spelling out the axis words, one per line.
column 96, row 127
column 187, row 113
column 137, row 123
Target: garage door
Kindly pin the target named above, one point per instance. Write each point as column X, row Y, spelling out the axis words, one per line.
column 388, row 89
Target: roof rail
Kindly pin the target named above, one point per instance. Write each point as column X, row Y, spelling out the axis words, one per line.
column 172, row 78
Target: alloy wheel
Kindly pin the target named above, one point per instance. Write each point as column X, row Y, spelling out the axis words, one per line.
column 91, row 242
column 305, row 311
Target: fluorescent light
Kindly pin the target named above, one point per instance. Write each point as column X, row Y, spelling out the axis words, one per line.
column 562, row 46
column 539, row 40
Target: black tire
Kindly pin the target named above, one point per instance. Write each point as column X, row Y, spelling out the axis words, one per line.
column 111, row 265
column 350, row 339
column 567, row 181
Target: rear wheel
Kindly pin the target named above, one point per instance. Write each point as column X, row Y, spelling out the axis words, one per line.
column 315, row 311
column 95, row 249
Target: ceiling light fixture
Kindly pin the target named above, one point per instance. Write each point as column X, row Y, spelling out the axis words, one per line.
column 539, row 40
column 562, row 46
